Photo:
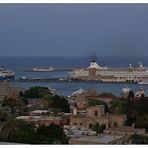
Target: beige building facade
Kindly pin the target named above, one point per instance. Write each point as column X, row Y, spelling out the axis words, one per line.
column 96, row 115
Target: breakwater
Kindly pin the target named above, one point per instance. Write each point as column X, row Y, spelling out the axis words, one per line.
column 63, row 80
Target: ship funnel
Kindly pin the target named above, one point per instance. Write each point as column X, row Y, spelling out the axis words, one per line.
column 140, row 65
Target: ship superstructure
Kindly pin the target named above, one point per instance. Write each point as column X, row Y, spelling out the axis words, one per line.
column 6, row 74
column 109, row 74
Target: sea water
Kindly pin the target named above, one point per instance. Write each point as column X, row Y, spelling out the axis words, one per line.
column 20, row 64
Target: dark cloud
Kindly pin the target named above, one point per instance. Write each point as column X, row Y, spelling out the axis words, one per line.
column 72, row 29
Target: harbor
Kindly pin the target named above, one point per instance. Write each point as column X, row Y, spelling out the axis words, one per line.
column 94, row 73
column 62, row 78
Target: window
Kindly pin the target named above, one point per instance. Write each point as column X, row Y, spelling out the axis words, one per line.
column 103, row 126
column 96, row 113
column 90, row 125
column 75, row 124
column 115, row 124
column 81, row 123
column 109, row 125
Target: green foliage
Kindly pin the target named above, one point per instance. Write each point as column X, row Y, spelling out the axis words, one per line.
column 3, row 115
column 136, row 111
column 139, row 139
column 17, row 131
column 21, row 131
column 11, row 103
column 51, row 134
column 61, row 103
column 131, row 94
column 47, row 97
column 54, row 102
column 141, row 106
column 98, row 128
column 118, row 106
column 142, row 122
column 98, row 102
column 15, row 106
column 36, row 92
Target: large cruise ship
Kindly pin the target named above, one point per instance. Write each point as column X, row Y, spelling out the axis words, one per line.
column 6, row 74
column 109, row 74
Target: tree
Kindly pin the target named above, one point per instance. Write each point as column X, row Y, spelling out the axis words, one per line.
column 48, row 100
column 130, row 109
column 15, row 106
column 139, row 139
column 50, row 134
column 36, row 92
column 61, row 103
column 118, row 106
column 11, row 103
column 18, row 131
column 98, row 128
column 3, row 115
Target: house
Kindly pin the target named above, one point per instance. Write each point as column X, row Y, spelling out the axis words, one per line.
column 96, row 115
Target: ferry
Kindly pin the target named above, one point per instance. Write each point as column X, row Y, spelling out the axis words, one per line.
column 43, row 69
column 110, row 74
column 6, row 74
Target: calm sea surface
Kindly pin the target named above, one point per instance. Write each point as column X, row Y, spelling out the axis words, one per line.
column 19, row 64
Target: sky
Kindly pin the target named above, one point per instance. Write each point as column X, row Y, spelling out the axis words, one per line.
column 73, row 29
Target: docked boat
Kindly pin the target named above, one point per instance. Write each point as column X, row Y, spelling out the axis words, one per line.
column 139, row 92
column 125, row 91
column 79, row 91
column 110, row 74
column 6, row 74
column 52, row 90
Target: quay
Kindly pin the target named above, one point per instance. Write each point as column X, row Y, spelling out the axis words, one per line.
column 65, row 80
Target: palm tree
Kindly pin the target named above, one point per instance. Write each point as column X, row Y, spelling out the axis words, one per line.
column 11, row 103
column 8, row 130
column 17, row 131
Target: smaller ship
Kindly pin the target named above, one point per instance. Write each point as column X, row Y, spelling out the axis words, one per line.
column 6, row 74
column 125, row 91
column 43, row 69
column 139, row 92
column 78, row 91
column 52, row 90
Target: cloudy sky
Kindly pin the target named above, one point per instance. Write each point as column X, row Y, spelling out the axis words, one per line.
column 73, row 29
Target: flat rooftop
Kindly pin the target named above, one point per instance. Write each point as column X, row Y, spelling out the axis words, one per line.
column 102, row 139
